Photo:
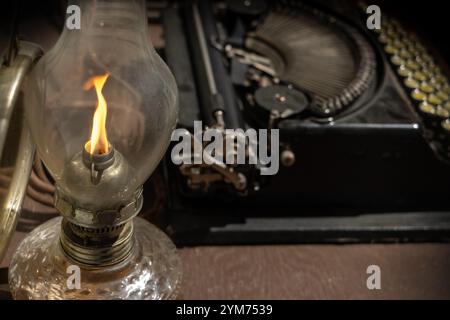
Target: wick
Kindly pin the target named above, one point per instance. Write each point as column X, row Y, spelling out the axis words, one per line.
column 97, row 162
column 87, row 148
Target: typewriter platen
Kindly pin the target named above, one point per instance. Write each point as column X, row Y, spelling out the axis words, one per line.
column 362, row 115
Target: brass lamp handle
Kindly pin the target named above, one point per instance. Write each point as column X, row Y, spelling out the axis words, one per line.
column 19, row 147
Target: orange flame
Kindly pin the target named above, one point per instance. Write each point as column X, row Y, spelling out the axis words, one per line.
column 99, row 139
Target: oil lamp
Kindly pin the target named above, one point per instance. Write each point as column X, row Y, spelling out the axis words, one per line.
column 101, row 106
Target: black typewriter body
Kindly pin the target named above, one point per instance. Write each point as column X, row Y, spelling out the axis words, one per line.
column 365, row 170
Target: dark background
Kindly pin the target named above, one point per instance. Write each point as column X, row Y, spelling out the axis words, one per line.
column 430, row 19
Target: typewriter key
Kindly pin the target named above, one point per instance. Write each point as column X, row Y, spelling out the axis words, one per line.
column 426, row 87
column 429, row 59
column 432, row 80
column 420, row 76
column 440, row 78
column 427, row 109
column 434, row 100
column 419, row 46
column 416, row 54
column 442, row 113
column 430, row 117
column 383, row 38
column 418, row 95
column 390, row 49
column 405, row 54
column 413, row 65
column 447, row 105
column 411, row 83
column 418, row 58
column 442, row 95
column 390, row 32
column 404, row 71
column 445, row 87
column 396, row 60
column 399, row 44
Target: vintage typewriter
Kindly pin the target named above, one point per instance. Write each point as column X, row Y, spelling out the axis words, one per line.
column 363, row 120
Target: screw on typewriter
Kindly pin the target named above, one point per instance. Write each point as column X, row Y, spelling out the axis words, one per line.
column 101, row 107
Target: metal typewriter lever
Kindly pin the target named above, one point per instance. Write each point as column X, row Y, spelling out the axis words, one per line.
column 254, row 60
column 19, row 147
column 203, row 175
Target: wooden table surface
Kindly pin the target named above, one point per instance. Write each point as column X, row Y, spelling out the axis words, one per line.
column 408, row 271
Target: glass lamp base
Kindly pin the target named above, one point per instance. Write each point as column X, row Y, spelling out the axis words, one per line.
column 41, row 270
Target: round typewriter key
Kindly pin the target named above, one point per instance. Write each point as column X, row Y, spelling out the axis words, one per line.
column 443, row 81
column 418, row 95
column 442, row 113
column 383, row 38
column 390, row 32
column 427, row 108
column 434, row 100
column 428, row 70
column 447, row 105
column 427, row 88
column 398, row 44
column 405, row 54
column 396, row 60
column 435, row 70
column 442, row 95
column 420, row 47
column 428, row 58
column 414, row 53
column 390, row 49
column 432, row 81
column 411, row 83
column 410, row 46
column 420, row 76
column 413, row 65
column 404, row 71
column 445, row 87
column 445, row 90
column 433, row 66
column 440, row 78
column 418, row 58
